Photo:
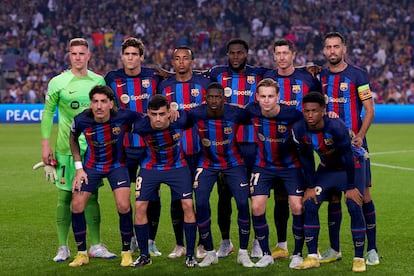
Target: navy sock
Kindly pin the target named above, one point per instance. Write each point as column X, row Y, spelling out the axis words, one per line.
column 190, row 229
column 126, row 229
column 357, row 227
column 153, row 215
column 371, row 225
column 297, row 230
column 261, row 229
column 311, row 226
column 79, row 230
column 141, row 231
column 334, row 220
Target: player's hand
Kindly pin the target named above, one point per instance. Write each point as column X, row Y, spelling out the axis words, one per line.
column 332, row 115
column 50, row 170
column 310, row 193
column 313, row 69
column 354, row 195
column 80, row 178
column 174, row 115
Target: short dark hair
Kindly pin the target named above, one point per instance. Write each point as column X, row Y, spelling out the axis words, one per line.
column 314, row 97
column 215, row 85
column 285, row 42
column 237, row 41
column 335, row 34
column 183, row 47
column 133, row 42
column 157, row 101
column 102, row 89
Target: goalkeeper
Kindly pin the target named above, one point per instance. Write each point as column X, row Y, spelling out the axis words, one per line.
column 68, row 92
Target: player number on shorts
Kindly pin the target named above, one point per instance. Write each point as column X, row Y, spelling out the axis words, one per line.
column 138, row 183
column 254, row 178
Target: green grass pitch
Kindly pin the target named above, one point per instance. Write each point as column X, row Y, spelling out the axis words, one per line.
column 27, row 219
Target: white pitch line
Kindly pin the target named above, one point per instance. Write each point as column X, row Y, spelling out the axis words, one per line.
column 391, row 152
column 392, row 167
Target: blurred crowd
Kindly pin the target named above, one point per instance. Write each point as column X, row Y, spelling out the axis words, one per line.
column 34, row 36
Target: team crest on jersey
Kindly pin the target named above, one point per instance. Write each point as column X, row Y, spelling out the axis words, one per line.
column 116, row 130
column 195, row 184
column 195, row 92
column 228, row 130
column 145, row 83
column 328, row 141
column 281, row 128
column 251, row 79
column 296, row 88
column 343, row 86
column 124, row 98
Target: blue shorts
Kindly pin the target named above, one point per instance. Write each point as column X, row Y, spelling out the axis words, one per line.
column 263, row 179
column 328, row 181
column 118, row 178
column 235, row 179
column 149, row 181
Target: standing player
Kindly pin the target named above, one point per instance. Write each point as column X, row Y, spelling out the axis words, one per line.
column 348, row 91
column 68, row 92
column 277, row 159
column 294, row 85
column 104, row 128
column 239, row 81
column 217, row 125
column 164, row 163
column 338, row 171
column 134, row 85
column 184, row 90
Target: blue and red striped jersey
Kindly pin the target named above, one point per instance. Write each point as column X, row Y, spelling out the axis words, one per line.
column 345, row 92
column 133, row 93
column 276, row 148
column 164, row 150
column 105, row 149
column 218, row 136
column 332, row 144
column 239, row 89
column 183, row 96
column 294, row 87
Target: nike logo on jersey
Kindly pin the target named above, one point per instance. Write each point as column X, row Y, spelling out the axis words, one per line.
column 169, row 94
column 299, row 191
column 226, row 78
column 90, row 133
column 120, row 85
column 121, row 182
column 186, row 194
column 243, row 184
column 203, row 129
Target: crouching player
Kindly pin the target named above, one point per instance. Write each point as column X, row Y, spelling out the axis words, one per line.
column 340, row 169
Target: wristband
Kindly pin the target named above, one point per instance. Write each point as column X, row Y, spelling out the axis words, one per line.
column 78, row 165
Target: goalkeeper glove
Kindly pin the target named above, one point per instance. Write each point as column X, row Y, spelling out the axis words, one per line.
column 50, row 171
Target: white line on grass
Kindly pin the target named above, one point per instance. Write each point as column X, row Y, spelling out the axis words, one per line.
column 392, row 167
column 391, row 152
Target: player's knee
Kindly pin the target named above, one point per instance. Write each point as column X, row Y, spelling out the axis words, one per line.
column 258, row 208
column 297, row 208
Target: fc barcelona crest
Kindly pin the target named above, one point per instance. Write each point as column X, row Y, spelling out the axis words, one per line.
column 343, row 86
column 116, row 130
column 195, row 92
column 145, row 83
column 251, row 79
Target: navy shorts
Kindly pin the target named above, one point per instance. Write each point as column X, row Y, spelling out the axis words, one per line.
column 263, row 179
column 328, row 181
column 149, row 181
column 118, row 178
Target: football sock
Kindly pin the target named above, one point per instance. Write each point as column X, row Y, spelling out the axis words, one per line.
column 63, row 216
column 93, row 219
